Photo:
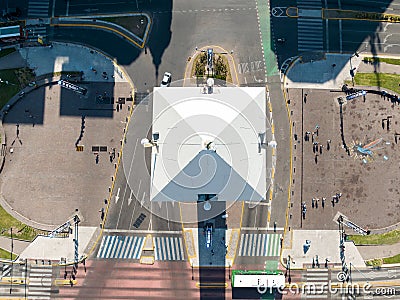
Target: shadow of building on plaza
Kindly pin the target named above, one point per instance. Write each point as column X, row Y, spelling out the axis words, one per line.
column 312, row 37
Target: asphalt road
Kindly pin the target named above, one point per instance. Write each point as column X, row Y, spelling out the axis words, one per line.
column 176, row 30
column 338, row 36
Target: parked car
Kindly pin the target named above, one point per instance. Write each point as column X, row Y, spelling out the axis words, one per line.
column 166, row 79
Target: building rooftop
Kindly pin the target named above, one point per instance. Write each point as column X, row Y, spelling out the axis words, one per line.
column 209, row 144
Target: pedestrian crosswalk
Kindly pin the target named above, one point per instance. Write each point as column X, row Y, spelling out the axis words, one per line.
column 40, row 280
column 168, row 248
column 317, row 284
column 38, row 8
column 310, row 33
column 34, row 32
column 123, row 247
column 5, row 270
column 259, row 244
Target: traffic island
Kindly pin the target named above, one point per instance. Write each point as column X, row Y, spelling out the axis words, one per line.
column 211, row 62
column 133, row 27
column 203, row 68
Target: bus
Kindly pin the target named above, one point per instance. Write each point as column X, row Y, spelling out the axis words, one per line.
column 257, row 284
column 10, row 33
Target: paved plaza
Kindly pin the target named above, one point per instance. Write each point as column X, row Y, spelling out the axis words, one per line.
column 45, row 178
column 331, row 169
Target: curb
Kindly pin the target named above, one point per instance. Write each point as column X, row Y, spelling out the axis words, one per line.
column 283, row 78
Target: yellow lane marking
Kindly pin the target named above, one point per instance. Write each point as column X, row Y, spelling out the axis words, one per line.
column 65, row 282
column 13, row 280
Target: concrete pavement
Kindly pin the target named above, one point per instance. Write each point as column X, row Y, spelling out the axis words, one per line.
column 378, row 251
column 46, row 61
column 330, row 73
column 18, row 245
column 324, row 244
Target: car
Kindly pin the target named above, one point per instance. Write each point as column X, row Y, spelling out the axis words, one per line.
column 209, row 236
column 166, row 79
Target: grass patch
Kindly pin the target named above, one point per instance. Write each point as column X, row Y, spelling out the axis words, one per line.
column 221, row 67
column 6, row 255
column 17, row 79
column 376, row 262
column 19, row 229
column 382, row 80
column 388, row 238
column 7, row 91
column 376, row 60
column 7, row 51
column 392, row 260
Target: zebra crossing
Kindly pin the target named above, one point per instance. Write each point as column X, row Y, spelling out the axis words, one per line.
column 38, row 8
column 317, row 281
column 5, row 270
column 34, row 32
column 260, row 244
column 168, row 248
column 310, row 33
column 40, row 281
column 123, row 247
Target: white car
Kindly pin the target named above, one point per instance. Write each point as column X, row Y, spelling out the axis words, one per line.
column 166, row 79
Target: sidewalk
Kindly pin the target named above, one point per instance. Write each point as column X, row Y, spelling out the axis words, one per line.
column 12, row 61
column 70, row 57
column 324, row 244
column 18, row 245
column 379, row 251
column 331, row 72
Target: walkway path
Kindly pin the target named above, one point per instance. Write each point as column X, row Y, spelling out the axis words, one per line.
column 379, row 251
column 18, row 245
column 12, row 61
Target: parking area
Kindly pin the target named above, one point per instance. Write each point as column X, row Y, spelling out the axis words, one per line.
column 46, row 177
column 364, row 171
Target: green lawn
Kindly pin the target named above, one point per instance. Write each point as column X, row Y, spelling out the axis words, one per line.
column 20, row 230
column 392, row 260
column 390, row 237
column 17, row 79
column 5, row 254
column 382, row 80
column 7, row 51
column 8, row 90
column 392, row 61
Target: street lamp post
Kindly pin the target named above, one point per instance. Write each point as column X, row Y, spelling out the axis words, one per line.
column 351, row 67
column 26, row 275
column 192, row 271
column 11, row 258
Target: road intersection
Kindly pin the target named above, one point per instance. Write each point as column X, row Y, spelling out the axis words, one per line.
column 176, row 31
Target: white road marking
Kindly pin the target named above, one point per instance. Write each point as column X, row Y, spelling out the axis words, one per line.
column 130, row 198
column 54, row 7
column 117, row 196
